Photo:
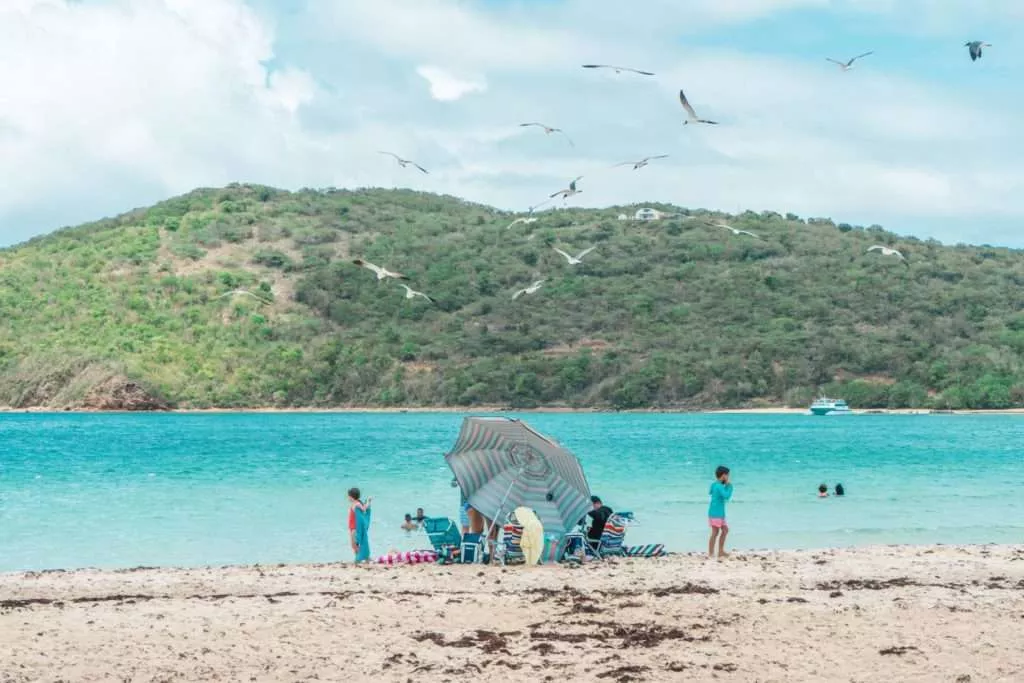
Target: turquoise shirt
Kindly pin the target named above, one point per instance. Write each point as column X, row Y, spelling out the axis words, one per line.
column 719, row 494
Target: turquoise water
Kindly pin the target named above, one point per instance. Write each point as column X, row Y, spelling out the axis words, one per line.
column 178, row 489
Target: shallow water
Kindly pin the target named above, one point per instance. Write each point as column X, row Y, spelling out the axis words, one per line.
column 186, row 489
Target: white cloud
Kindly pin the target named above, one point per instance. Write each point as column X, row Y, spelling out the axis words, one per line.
column 446, row 87
column 115, row 104
column 118, row 103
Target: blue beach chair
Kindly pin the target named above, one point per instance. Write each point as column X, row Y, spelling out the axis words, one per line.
column 472, row 550
column 444, row 536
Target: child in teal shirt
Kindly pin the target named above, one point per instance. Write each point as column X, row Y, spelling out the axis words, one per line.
column 721, row 491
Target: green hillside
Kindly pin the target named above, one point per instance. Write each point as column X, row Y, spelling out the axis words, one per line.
column 129, row 312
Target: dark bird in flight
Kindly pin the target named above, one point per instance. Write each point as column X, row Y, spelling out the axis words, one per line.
column 404, row 162
column 846, row 66
column 643, row 162
column 549, row 130
column 617, row 69
column 691, row 115
column 974, row 48
column 565, row 194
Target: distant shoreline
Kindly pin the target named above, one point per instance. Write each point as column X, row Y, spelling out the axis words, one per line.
column 507, row 409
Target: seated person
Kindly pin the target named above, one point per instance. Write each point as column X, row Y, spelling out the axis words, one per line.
column 409, row 524
column 600, row 515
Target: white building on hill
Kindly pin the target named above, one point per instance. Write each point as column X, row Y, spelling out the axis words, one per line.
column 647, row 215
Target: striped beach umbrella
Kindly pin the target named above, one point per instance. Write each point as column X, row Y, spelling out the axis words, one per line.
column 501, row 463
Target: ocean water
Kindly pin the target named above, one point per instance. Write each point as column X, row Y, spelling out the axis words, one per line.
column 186, row 489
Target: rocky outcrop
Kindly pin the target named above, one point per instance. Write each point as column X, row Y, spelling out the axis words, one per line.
column 120, row 393
column 56, row 383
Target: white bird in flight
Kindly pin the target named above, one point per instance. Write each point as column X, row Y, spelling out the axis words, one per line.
column 565, row 194
column 528, row 290
column 691, row 115
column 525, row 219
column 736, row 231
column 404, row 162
column 578, row 258
column 847, row 65
column 382, row 273
column 549, row 130
column 617, row 69
column 643, row 162
column 887, row 251
column 243, row 292
column 411, row 293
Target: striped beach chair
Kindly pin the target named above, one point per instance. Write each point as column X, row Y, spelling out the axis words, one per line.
column 512, row 539
column 612, row 538
column 648, row 550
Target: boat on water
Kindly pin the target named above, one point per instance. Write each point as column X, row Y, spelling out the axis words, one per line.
column 830, row 406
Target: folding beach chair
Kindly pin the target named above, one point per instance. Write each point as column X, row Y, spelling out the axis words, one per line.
column 444, row 536
column 471, row 551
column 614, row 534
column 512, row 544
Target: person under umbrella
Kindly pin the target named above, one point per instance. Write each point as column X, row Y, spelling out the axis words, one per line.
column 600, row 516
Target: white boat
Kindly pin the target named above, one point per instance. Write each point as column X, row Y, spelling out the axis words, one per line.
column 829, row 406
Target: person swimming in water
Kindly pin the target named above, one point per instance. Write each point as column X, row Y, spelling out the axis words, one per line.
column 823, row 491
column 840, row 491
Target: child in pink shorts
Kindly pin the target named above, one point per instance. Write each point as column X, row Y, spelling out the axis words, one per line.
column 721, row 491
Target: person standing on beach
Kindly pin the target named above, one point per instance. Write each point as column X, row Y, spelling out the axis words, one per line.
column 721, row 492
column 359, row 525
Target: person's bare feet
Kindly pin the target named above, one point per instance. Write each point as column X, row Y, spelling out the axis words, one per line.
column 722, row 555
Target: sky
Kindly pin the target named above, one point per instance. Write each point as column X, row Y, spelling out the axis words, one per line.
column 108, row 105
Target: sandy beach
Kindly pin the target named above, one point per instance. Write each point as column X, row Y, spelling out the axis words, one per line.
column 941, row 613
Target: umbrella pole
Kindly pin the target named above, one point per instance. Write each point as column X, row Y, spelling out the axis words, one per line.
column 501, row 506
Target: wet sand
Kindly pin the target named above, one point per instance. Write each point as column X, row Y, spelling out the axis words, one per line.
column 938, row 613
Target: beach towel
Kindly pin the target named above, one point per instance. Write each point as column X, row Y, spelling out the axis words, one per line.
column 649, row 550
column 407, row 557
column 532, row 542
column 363, row 534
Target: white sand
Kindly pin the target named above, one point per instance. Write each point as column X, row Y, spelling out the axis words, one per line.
column 941, row 613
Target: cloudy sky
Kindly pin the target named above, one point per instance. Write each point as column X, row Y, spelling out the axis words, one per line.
column 108, row 105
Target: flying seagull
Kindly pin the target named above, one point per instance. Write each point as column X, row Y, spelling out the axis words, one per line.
column 565, row 194
column 974, row 47
column 404, row 162
column 846, row 66
column 578, row 258
column 243, row 292
column 528, row 290
column 411, row 293
column 643, row 162
column 525, row 219
column 549, row 130
column 617, row 69
column 886, row 251
column 691, row 115
column 381, row 272
column 735, row 231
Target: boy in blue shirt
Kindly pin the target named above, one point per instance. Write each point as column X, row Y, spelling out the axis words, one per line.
column 721, row 491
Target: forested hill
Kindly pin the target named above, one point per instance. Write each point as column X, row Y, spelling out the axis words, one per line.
column 137, row 311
